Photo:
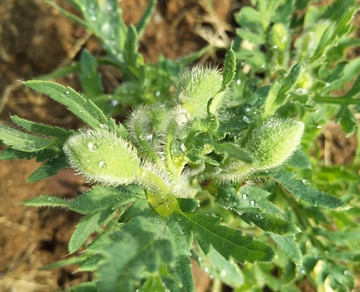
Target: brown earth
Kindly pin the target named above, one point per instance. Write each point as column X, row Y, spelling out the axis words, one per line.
column 35, row 39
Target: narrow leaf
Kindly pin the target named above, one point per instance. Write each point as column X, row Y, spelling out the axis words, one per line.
column 21, row 141
column 81, row 107
column 46, row 201
column 39, row 128
column 48, row 169
column 229, row 68
column 288, row 245
column 89, row 224
column 233, row 151
column 304, row 192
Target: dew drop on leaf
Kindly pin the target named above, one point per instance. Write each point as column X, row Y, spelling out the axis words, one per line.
column 93, row 17
column 157, row 93
column 223, row 273
column 238, row 82
column 206, row 270
column 102, row 164
column 252, row 203
column 245, row 197
column 246, row 119
column 67, row 92
column 93, row 146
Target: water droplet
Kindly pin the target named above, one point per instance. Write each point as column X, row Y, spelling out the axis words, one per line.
column 242, row 63
column 246, row 119
column 81, row 111
column 50, row 199
column 102, row 164
column 305, row 182
column 252, row 203
column 302, row 272
column 245, row 197
column 347, row 273
column 275, row 47
column 327, row 84
column 319, row 126
column 109, row 5
column 199, row 259
column 93, row 147
column 183, row 147
column 223, row 273
column 102, row 126
column 157, row 93
column 113, row 103
column 206, row 270
column 106, row 28
column 238, row 82
column 302, row 91
column 263, row 66
column 67, row 92
column 93, row 17
column 211, row 277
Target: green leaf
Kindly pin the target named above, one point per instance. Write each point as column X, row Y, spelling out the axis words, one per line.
column 229, row 69
column 100, row 198
column 9, row 154
column 227, row 241
column 225, row 270
column 278, row 93
column 86, row 287
column 47, row 201
column 250, row 14
column 89, row 224
column 233, row 151
column 346, row 119
column 62, row 263
column 81, row 107
column 40, row 128
column 49, row 168
column 289, row 246
column 187, row 204
column 90, row 79
column 24, row 142
column 270, row 223
column 141, row 25
column 253, row 38
column 303, row 191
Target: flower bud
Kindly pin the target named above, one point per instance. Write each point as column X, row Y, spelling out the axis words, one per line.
column 102, row 156
column 196, row 87
column 274, row 141
column 279, row 36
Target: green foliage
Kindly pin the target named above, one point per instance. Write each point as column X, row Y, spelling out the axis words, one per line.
column 225, row 172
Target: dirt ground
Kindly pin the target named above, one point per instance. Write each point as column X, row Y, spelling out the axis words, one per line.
column 35, row 39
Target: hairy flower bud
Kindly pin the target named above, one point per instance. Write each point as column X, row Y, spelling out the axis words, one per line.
column 274, row 141
column 279, row 36
column 196, row 87
column 102, row 157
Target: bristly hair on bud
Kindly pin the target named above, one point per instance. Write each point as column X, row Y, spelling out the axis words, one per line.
column 196, row 87
column 101, row 156
column 274, row 141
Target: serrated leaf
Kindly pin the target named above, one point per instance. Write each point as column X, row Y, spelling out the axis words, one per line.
column 227, row 241
column 47, row 201
column 9, row 154
column 346, row 119
column 49, row 168
column 40, row 128
column 62, row 263
column 100, row 198
column 304, row 192
column 21, row 141
column 229, row 68
column 250, row 14
column 87, row 225
column 139, row 246
column 288, row 245
column 270, row 223
column 81, row 107
column 152, row 284
column 86, row 287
